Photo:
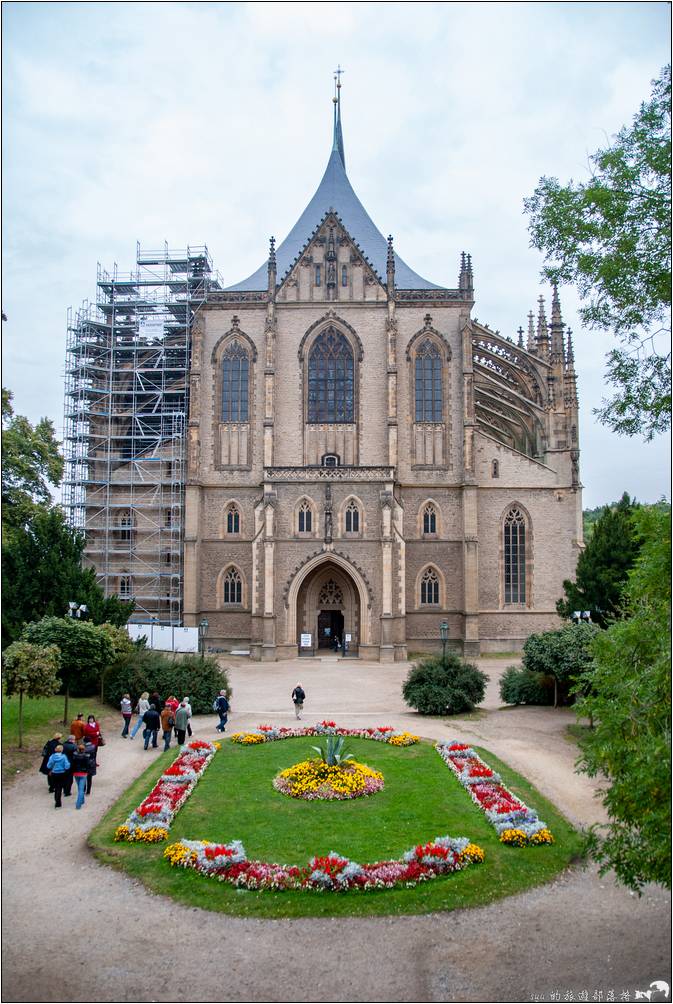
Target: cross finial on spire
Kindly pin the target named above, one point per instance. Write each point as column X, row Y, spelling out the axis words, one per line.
column 338, row 143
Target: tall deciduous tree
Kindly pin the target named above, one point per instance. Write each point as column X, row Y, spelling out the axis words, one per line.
column 31, row 462
column 85, row 649
column 611, row 237
column 30, row 671
column 42, row 573
column 603, row 565
column 627, row 692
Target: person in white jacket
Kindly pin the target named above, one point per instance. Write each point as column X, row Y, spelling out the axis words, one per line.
column 185, row 700
column 141, row 708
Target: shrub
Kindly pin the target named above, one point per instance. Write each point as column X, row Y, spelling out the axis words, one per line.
column 437, row 686
column 144, row 669
column 521, row 686
column 565, row 655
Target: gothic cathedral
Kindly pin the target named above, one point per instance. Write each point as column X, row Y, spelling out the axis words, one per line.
column 365, row 461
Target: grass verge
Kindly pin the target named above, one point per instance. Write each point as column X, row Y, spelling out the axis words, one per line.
column 421, row 800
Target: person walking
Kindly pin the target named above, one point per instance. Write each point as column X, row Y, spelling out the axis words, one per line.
column 127, row 710
column 173, row 703
column 222, row 708
column 181, row 723
column 69, row 748
column 156, row 701
column 91, row 752
column 92, row 732
column 167, row 723
column 77, row 727
column 151, row 721
column 185, row 701
column 80, row 769
column 48, row 749
column 141, row 707
column 58, row 766
column 298, row 697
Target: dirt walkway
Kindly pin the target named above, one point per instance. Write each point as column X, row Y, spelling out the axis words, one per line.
column 74, row 930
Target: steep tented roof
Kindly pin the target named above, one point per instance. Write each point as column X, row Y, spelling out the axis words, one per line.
column 335, row 193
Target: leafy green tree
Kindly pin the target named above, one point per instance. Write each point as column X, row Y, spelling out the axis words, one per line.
column 628, row 695
column 564, row 655
column 30, row 671
column 611, row 237
column 603, row 565
column 85, row 651
column 31, row 462
column 42, row 573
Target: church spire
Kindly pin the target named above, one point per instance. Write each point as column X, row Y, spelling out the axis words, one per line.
column 557, row 326
column 338, row 141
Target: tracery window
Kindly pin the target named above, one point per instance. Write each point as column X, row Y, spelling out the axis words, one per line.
column 233, row 520
column 430, row 587
column 514, row 550
column 305, row 521
column 495, row 469
column 352, row 521
column 428, row 383
column 125, row 586
column 232, row 590
column 429, row 519
column 126, row 526
column 330, row 595
column 330, row 378
column 235, row 380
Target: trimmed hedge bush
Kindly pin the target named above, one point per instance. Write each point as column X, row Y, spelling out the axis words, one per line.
column 143, row 669
column 437, row 686
column 521, row 686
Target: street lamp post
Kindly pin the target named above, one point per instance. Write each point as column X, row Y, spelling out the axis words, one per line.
column 444, row 635
column 203, row 631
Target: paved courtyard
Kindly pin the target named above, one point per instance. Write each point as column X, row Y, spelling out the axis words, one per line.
column 74, row 930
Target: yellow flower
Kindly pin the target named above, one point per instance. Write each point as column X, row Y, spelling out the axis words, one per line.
column 542, row 837
column 472, row 853
column 404, row 739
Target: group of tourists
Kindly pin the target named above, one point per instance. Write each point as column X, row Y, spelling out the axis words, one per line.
column 154, row 716
column 74, row 760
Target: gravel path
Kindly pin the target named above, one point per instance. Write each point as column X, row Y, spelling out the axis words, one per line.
column 74, row 930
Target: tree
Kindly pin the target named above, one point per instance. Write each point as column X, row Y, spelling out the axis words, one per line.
column 30, row 670
column 85, row 651
column 42, row 573
column 31, row 462
column 603, row 565
column 629, row 697
column 564, row 655
column 611, row 237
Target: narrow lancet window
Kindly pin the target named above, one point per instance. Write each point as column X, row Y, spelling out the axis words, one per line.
column 352, row 518
column 305, row 518
column 514, row 550
column 235, row 378
column 428, row 383
column 233, row 520
column 429, row 519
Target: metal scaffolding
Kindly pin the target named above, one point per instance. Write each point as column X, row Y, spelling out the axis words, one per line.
column 126, row 411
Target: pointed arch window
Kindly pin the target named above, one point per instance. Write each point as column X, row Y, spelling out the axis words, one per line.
column 305, row 518
column 429, row 519
column 126, row 526
column 514, row 552
column 428, row 383
column 232, row 587
column 233, row 519
column 235, row 380
column 125, row 586
column 344, row 275
column 330, row 378
column 430, row 588
column 352, row 521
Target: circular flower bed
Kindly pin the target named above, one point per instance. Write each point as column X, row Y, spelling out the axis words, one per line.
column 314, row 779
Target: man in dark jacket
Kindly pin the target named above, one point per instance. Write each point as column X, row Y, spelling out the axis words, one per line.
column 222, row 707
column 151, row 723
column 298, row 697
column 69, row 748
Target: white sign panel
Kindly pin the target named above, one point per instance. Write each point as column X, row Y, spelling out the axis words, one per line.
column 348, row 637
column 306, row 641
column 151, row 327
column 185, row 639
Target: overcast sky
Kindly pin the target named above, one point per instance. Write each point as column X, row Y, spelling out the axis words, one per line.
column 211, row 123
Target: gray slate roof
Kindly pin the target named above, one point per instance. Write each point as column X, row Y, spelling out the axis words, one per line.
column 336, row 193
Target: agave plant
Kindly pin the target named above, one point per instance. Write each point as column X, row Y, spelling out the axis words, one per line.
column 334, row 753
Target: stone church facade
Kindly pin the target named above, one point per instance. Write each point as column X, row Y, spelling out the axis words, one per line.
column 365, row 460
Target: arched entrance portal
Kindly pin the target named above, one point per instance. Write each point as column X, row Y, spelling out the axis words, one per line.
column 328, row 607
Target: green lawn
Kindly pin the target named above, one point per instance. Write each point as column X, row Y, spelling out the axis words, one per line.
column 421, row 800
column 42, row 717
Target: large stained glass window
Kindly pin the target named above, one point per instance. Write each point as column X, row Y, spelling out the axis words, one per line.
column 330, row 379
column 235, row 373
column 515, row 556
column 428, row 383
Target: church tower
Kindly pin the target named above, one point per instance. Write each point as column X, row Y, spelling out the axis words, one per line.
column 365, row 460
